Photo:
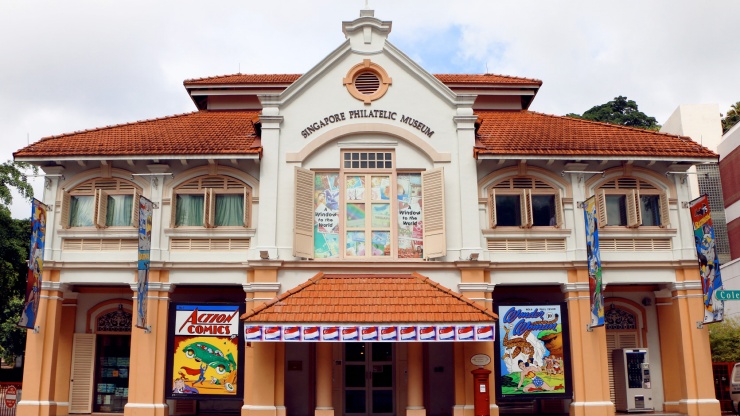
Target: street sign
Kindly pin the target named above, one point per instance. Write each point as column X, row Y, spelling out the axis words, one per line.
column 10, row 395
column 727, row 294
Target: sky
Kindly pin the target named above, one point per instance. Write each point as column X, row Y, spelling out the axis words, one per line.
column 79, row 64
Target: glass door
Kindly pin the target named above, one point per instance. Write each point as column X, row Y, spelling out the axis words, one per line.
column 368, row 379
column 111, row 377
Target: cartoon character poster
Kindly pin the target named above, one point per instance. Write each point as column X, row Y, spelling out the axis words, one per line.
column 205, row 350
column 533, row 354
column 326, row 215
column 35, row 265
column 145, row 246
column 711, row 280
column 410, row 224
column 593, row 256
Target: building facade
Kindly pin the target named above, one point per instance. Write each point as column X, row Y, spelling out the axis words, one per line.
column 374, row 225
column 728, row 167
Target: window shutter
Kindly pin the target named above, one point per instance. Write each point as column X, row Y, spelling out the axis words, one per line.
column 492, row 207
column 66, row 201
column 433, row 196
column 209, row 208
column 101, row 208
column 247, row 208
column 303, row 216
column 83, row 364
column 559, row 217
column 665, row 215
column 173, row 212
column 135, row 209
column 633, row 209
column 525, row 203
column 601, row 204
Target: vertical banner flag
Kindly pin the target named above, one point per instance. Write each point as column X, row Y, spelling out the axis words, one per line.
column 145, row 245
column 593, row 256
column 35, row 265
column 711, row 280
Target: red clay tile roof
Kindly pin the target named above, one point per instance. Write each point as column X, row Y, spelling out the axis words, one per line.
column 368, row 298
column 198, row 133
column 246, row 79
column 528, row 133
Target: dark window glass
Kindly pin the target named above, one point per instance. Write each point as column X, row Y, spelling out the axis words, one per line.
column 650, row 209
column 543, row 210
column 508, row 211
column 616, row 210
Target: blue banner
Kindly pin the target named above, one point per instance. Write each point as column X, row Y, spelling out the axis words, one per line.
column 145, row 245
column 35, row 265
column 711, row 279
column 593, row 256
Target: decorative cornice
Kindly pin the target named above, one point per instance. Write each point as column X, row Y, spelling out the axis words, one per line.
column 475, row 287
column 261, row 287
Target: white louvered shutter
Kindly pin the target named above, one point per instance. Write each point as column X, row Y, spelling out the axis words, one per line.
column 525, row 203
column 433, row 196
column 601, row 205
column 81, row 380
column 559, row 216
column 665, row 215
column 633, row 209
column 101, row 208
column 64, row 217
column 247, row 208
column 492, row 207
column 209, row 208
column 135, row 209
column 303, row 214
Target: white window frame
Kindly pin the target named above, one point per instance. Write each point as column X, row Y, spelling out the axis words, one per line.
column 524, row 186
column 100, row 189
column 210, row 186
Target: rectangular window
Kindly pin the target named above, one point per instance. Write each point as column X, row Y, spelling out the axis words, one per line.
column 410, row 225
column 326, row 215
column 367, row 214
column 81, row 210
column 508, row 211
column 650, row 207
column 543, row 210
column 119, row 210
column 229, row 210
column 189, row 210
column 616, row 210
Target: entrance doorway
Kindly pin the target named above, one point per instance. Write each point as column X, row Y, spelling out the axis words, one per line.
column 111, row 377
column 368, row 379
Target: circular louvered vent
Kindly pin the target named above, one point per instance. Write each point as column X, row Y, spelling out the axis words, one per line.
column 367, row 83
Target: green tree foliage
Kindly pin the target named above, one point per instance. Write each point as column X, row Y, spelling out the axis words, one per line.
column 619, row 111
column 724, row 340
column 15, row 239
column 731, row 118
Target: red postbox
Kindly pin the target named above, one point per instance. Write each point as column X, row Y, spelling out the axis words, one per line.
column 481, row 394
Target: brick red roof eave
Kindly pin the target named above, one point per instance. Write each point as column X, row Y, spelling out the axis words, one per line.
column 530, row 134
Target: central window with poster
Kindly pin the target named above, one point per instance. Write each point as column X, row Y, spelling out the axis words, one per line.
column 369, row 209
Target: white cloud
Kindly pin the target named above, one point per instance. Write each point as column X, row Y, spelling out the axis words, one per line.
column 81, row 64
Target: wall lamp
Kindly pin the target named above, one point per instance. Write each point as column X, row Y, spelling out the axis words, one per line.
column 264, row 255
column 473, row 256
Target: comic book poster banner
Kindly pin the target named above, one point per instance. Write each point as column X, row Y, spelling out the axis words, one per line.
column 145, row 245
column 368, row 332
column 410, row 225
column 711, row 280
column 35, row 265
column 533, row 352
column 326, row 216
column 204, row 351
column 593, row 256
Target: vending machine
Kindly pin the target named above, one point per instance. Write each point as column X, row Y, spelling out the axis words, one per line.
column 632, row 389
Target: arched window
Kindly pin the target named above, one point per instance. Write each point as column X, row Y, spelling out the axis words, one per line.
column 632, row 202
column 211, row 201
column 524, row 201
column 102, row 203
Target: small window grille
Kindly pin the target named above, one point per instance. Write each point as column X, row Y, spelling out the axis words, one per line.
column 368, row 160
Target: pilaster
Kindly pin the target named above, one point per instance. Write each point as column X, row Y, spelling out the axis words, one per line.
column 589, row 366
